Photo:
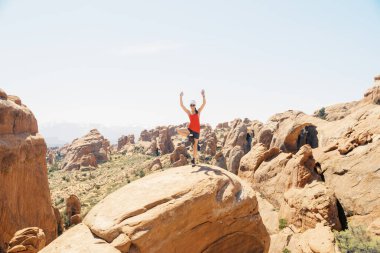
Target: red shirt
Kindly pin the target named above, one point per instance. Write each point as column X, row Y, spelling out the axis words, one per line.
column 194, row 123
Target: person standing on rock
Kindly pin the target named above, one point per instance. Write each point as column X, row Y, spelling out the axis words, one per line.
column 194, row 127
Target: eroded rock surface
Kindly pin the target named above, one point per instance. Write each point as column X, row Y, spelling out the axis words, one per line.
column 171, row 210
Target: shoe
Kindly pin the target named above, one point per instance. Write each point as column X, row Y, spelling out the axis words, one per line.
column 193, row 162
column 199, row 147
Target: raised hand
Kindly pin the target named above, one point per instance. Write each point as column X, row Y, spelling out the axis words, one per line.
column 181, row 94
column 203, row 93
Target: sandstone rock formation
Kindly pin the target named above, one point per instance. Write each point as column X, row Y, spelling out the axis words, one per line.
column 219, row 160
column 164, row 142
column 253, row 159
column 181, row 161
column 87, row 151
column 208, row 141
column 73, row 209
column 326, row 172
column 125, row 140
column 23, row 173
column 59, row 220
column 319, row 239
column 175, row 155
column 308, row 206
column 79, row 239
column 155, row 165
column 171, row 210
column 28, row 240
column 289, row 131
column 222, row 125
column 374, row 227
column 284, row 171
column 236, row 145
column 179, row 156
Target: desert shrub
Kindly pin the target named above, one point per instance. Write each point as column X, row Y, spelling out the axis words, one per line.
column 282, row 223
column 53, row 167
column 59, row 201
column 286, row 251
column 66, row 178
column 66, row 220
column 322, row 113
column 356, row 239
column 141, row 173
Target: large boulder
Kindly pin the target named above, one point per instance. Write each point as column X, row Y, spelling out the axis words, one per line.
column 90, row 150
column 253, row 159
column 192, row 209
column 284, row 171
column 219, row 160
column 27, row 240
column 319, row 239
column 176, row 154
column 79, row 239
column 308, row 206
column 24, row 190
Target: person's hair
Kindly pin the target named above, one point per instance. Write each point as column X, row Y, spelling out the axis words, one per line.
column 196, row 111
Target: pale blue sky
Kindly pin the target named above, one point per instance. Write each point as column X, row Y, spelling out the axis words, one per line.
column 125, row 62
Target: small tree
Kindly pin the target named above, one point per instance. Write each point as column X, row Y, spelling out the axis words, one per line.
column 356, row 239
column 322, row 113
column 282, row 223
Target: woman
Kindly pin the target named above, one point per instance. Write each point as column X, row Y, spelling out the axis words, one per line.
column 193, row 129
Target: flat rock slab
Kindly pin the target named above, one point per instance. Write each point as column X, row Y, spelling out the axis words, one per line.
column 79, row 239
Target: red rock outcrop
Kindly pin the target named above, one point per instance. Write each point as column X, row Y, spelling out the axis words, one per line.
column 125, row 140
column 90, row 150
column 23, row 173
column 176, row 155
column 253, row 159
column 164, row 142
column 59, row 220
column 155, row 165
column 284, row 171
column 73, row 209
column 208, row 141
column 219, row 160
column 235, row 145
column 206, row 205
column 308, row 206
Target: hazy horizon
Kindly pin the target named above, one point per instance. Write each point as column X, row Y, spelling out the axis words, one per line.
column 124, row 63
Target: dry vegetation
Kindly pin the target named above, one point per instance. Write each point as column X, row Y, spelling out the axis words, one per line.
column 92, row 186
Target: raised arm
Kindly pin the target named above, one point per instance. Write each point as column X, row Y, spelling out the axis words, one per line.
column 204, row 101
column 182, row 106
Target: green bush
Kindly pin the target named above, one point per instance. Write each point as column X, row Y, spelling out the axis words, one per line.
column 66, row 220
column 286, row 251
column 66, row 178
column 53, row 167
column 322, row 113
column 141, row 173
column 356, row 239
column 282, row 223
